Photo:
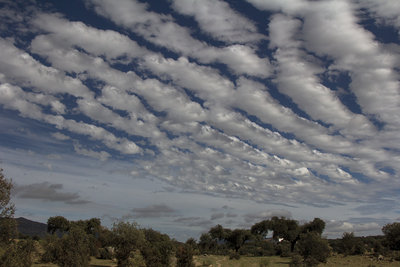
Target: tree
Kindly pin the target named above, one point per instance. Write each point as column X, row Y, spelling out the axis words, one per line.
column 157, row 249
column 7, row 223
column 317, row 225
column 57, row 223
column 72, row 249
column 207, row 244
column 285, row 228
column 392, row 235
column 351, row 245
column 184, row 256
column 219, row 233
column 260, row 229
column 313, row 248
column 18, row 254
column 127, row 237
column 237, row 238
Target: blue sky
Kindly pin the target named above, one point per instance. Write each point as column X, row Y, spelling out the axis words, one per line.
column 184, row 114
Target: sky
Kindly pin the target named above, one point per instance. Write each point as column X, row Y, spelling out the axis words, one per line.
column 184, row 114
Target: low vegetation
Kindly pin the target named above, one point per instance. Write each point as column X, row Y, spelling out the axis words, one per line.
column 88, row 243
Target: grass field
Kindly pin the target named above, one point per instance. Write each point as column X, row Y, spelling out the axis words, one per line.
column 339, row 260
column 274, row 261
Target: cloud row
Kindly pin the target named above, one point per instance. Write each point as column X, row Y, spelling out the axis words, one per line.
column 204, row 117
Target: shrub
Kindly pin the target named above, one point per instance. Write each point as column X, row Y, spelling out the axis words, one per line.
column 351, row 245
column 127, row 237
column 392, row 235
column 18, row 254
column 296, row 261
column 313, row 248
column 72, row 249
column 283, row 249
column 105, row 254
column 184, row 256
column 234, row 255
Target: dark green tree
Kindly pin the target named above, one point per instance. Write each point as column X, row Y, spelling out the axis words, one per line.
column 313, row 248
column 158, row 248
column 219, row 233
column 260, row 229
column 317, row 225
column 237, row 238
column 351, row 245
column 127, row 237
column 18, row 254
column 207, row 244
column 284, row 228
column 8, row 228
column 392, row 235
column 57, row 223
column 72, row 249
column 184, row 256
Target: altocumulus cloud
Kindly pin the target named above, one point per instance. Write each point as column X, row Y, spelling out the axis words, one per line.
column 286, row 103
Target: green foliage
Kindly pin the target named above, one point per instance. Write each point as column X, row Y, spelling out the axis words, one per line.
column 72, row 249
column 207, row 244
column 157, row 249
column 317, row 225
column 7, row 209
column 258, row 248
column 392, row 235
column 283, row 248
column 312, row 248
column 57, row 223
column 284, row 228
column 135, row 259
column 184, row 256
column 261, row 228
column 105, row 254
column 18, row 254
column 127, row 238
column 296, row 261
column 237, row 238
column 351, row 245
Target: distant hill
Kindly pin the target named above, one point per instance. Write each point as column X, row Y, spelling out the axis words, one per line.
column 31, row 228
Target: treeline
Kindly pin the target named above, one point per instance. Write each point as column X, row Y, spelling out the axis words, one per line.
column 303, row 243
column 72, row 243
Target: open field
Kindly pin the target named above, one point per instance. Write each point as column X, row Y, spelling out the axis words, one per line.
column 273, row 261
column 339, row 260
column 93, row 263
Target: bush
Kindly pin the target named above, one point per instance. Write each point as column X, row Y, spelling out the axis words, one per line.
column 312, row 248
column 234, row 255
column 184, row 256
column 18, row 254
column 392, row 235
column 127, row 237
column 296, row 261
column 105, row 254
column 72, row 249
column 351, row 245
column 283, row 249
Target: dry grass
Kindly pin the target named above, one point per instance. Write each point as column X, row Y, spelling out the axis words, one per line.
column 275, row 261
column 93, row 263
column 224, row 261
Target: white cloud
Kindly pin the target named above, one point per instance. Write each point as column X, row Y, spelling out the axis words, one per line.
column 18, row 66
column 101, row 155
column 163, row 31
column 216, row 18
